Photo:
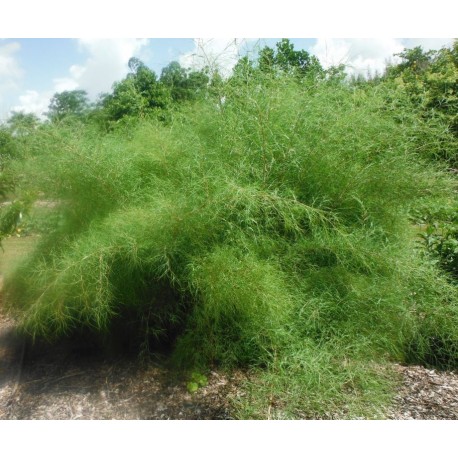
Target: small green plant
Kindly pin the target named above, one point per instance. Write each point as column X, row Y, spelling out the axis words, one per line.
column 440, row 239
column 197, row 381
column 11, row 218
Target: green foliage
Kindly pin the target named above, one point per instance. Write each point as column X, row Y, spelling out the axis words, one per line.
column 21, row 124
column 9, row 218
column 271, row 231
column 430, row 82
column 287, row 60
column 8, row 148
column 139, row 95
column 73, row 104
column 8, row 151
column 11, row 215
column 440, row 238
column 414, row 61
column 317, row 382
column 184, row 84
column 192, row 387
column 197, row 381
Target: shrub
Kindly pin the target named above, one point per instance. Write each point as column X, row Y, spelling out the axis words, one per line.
column 271, row 231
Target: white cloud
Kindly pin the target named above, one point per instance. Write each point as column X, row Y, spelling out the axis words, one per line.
column 64, row 84
column 10, row 70
column 363, row 55
column 34, row 102
column 359, row 55
column 428, row 43
column 215, row 53
column 106, row 63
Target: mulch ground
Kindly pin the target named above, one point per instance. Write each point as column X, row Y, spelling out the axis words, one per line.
column 425, row 394
column 64, row 382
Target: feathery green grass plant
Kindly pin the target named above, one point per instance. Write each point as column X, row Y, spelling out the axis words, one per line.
column 270, row 231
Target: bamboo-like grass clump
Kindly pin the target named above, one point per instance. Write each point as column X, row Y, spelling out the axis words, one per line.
column 271, row 231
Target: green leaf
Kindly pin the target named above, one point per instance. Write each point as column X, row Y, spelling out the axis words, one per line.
column 200, row 379
column 192, row 387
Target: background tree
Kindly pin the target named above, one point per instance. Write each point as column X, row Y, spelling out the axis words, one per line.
column 266, row 59
column 244, row 68
column 147, row 85
column 290, row 60
column 20, row 123
column 8, row 150
column 182, row 83
column 175, row 78
column 68, row 103
column 286, row 59
column 414, row 61
column 124, row 101
column 430, row 81
column 139, row 94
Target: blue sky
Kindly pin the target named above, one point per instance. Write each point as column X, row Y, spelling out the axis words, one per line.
column 32, row 70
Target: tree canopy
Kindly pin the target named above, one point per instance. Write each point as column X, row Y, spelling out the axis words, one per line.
column 68, row 104
column 184, row 84
column 20, row 123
